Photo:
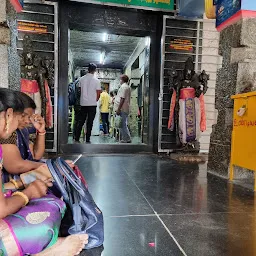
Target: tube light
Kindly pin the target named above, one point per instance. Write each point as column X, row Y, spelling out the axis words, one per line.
column 104, row 37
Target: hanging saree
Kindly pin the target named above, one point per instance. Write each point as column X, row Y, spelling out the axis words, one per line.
column 189, row 116
column 31, row 88
column 33, row 228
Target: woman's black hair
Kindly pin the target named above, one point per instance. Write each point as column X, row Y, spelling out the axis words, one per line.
column 9, row 99
column 27, row 101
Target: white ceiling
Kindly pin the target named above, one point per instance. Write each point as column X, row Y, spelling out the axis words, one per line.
column 86, row 47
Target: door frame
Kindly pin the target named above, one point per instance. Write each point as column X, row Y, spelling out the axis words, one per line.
column 119, row 21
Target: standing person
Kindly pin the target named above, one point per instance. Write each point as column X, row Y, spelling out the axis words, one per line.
column 77, row 106
column 90, row 94
column 122, row 107
column 104, row 110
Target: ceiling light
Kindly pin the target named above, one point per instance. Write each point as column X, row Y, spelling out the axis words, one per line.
column 102, row 57
column 104, row 37
column 147, row 41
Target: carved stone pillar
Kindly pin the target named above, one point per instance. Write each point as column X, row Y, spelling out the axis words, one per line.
column 9, row 61
column 238, row 49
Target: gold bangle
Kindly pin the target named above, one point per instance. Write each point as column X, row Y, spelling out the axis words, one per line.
column 41, row 134
column 14, row 182
column 23, row 196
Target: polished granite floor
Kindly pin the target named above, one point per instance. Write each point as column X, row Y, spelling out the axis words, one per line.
column 155, row 206
column 106, row 140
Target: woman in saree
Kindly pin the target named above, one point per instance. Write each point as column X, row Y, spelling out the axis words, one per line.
column 30, row 219
column 21, row 155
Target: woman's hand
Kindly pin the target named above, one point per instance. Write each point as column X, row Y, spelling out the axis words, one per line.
column 70, row 163
column 37, row 189
column 38, row 122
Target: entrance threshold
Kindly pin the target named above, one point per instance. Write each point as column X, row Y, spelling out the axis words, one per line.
column 105, row 148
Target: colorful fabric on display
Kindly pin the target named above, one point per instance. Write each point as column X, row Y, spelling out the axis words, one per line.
column 172, row 108
column 31, row 88
column 49, row 114
column 203, row 113
column 190, row 113
column 189, row 120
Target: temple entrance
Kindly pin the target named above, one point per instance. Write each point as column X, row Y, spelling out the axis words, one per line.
column 119, row 41
column 114, row 55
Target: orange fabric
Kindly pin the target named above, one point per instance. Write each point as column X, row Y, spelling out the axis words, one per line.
column 187, row 93
column 49, row 118
column 29, row 86
column 203, row 113
column 172, row 107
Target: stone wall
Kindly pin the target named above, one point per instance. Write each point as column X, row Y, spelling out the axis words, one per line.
column 238, row 49
column 13, row 57
column 209, row 62
column 9, row 59
column 4, row 43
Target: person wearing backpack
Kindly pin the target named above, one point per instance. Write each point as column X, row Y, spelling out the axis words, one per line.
column 90, row 94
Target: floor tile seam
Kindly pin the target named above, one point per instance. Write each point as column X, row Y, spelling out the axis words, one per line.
column 202, row 213
column 161, row 221
column 128, row 216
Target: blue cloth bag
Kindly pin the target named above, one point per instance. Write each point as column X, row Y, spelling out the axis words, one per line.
column 87, row 217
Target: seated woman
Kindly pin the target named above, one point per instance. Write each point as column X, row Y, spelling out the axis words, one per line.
column 23, row 149
column 20, row 153
column 30, row 219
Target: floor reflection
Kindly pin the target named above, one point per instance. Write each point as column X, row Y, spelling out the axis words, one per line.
column 155, row 206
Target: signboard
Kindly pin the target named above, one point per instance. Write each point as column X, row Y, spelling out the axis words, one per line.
column 181, row 45
column 230, row 11
column 32, row 27
column 17, row 4
column 226, row 9
column 152, row 4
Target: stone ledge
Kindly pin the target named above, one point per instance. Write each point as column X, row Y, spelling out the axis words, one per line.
column 242, row 54
column 190, row 158
column 5, row 36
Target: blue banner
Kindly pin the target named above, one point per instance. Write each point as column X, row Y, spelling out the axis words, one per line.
column 226, row 9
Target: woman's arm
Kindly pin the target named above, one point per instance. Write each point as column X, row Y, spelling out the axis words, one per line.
column 13, row 204
column 39, row 146
column 13, row 162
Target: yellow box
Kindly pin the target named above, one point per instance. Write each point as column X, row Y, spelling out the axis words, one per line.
column 243, row 151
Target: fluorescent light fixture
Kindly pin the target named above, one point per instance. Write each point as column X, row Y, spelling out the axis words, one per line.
column 104, row 37
column 147, row 41
column 102, row 57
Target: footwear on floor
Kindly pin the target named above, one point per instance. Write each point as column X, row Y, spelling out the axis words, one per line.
column 126, row 141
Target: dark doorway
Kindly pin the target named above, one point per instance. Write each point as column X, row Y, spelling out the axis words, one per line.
column 118, row 21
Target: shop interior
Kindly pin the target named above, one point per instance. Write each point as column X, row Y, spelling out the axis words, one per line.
column 114, row 55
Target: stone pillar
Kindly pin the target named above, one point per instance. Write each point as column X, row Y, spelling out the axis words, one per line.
column 4, row 43
column 238, row 49
column 9, row 59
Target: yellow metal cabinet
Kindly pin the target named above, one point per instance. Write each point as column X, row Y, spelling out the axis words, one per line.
column 243, row 152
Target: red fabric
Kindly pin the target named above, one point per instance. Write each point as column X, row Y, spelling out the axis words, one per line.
column 49, row 118
column 80, row 175
column 172, row 107
column 29, row 86
column 17, row 6
column 187, row 93
column 203, row 113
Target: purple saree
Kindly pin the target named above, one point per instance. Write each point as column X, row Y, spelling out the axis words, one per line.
column 33, row 228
